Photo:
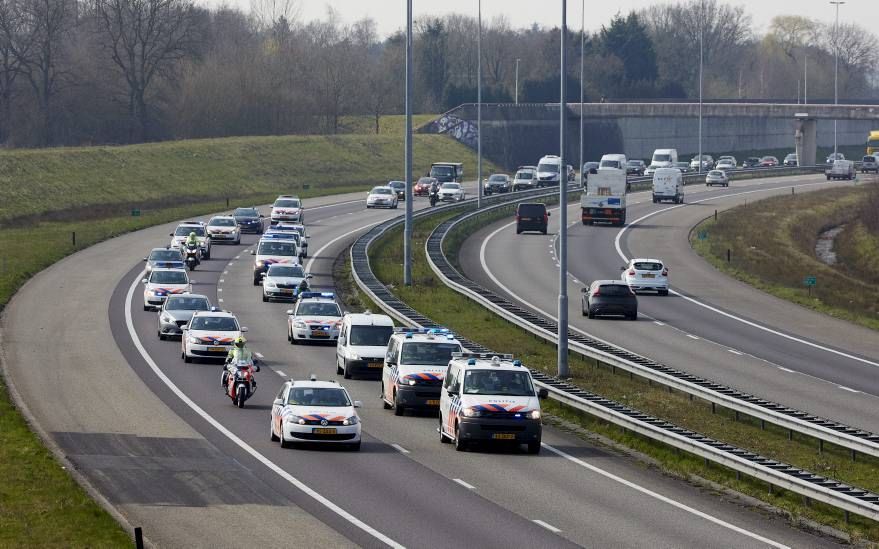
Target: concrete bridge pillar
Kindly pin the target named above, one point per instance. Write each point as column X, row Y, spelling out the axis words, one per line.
column 806, row 137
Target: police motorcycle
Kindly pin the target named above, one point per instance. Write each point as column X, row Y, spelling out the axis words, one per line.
column 434, row 196
column 239, row 379
column 192, row 255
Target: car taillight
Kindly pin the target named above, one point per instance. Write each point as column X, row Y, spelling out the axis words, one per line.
column 631, row 273
column 518, row 217
column 546, row 217
column 665, row 272
column 596, row 292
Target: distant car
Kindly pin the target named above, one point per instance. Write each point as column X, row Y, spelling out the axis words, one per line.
column 716, row 177
column 282, row 282
column 287, row 208
column 768, row 162
column 646, row 274
column 732, row 159
column 497, row 183
column 525, row 178
column 834, row 156
column 651, row 169
column 399, row 188
column 177, row 311
column 725, row 165
column 609, row 298
column 751, row 162
column 452, row 192
column 316, row 317
column 422, row 188
column 841, row 169
column 224, row 228
column 531, row 217
column 164, row 258
column 707, row 162
column 683, row 166
column 869, row 164
column 635, row 167
column 249, row 220
column 381, row 197
column 791, row 160
column 589, row 167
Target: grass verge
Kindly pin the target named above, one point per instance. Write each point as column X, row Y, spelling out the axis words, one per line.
column 772, row 247
column 445, row 306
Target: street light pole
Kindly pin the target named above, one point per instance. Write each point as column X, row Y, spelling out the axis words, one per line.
column 582, row 50
column 563, row 210
column 701, row 59
column 407, row 231
column 805, row 80
column 517, row 80
column 836, row 70
column 479, row 107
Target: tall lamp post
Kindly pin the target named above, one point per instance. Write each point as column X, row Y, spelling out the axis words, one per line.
column 701, row 60
column 563, row 370
column 517, row 80
column 407, row 230
column 836, row 69
column 479, row 106
column 582, row 50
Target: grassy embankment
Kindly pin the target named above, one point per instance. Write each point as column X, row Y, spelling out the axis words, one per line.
column 430, row 297
column 772, row 247
column 45, row 195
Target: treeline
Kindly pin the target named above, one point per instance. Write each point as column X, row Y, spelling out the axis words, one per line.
column 124, row 71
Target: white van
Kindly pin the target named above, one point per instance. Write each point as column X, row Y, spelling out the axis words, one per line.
column 548, row 170
column 668, row 184
column 664, row 158
column 362, row 344
column 613, row 161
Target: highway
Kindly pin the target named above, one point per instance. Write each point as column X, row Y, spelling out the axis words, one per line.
column 711, row 326
column 161, row 442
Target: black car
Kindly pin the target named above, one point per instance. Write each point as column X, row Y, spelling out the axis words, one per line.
column 249, row 220
column 399, row 188
column 531, row 217
column 635, row 167
column 610, row 298
column 751, row 162
column 497, row 183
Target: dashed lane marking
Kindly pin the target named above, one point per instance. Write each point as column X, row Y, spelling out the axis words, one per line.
column 464, row 484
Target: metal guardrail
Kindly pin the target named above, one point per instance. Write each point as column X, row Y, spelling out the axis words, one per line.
column 835, row 493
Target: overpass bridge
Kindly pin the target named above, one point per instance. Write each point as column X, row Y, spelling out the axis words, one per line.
column 516, row 134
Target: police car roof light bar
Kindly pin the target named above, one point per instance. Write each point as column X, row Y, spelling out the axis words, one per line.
column 306, row 295
column 483, row 356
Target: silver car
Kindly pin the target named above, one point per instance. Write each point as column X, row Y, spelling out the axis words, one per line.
column 717, row 177
column 177, row 311
column 164, row 258
column 282, row 282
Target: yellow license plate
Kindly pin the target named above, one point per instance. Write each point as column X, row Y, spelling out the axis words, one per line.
column 330, row 431
column 319, row 333
column 433, row 402
column 216, row 349
column 504, row 436
column 649, row 276
column 286, row 291
column 376, row 365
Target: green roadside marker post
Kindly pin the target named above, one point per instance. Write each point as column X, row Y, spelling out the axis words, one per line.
column 810, row 281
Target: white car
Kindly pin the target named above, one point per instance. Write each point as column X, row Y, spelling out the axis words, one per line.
column 273, row 249
column 646, row 274
column 287, row 208
column 381, row 197
column 716, row 177
column 452, row 192
column 209, row 334
column 161, row 283
column 181, row 233
column 295, row 228
column 224, row 228
column 282, row 282
column 524, row 179
column 316, row 317
column 725, row 164
column 415, row 366
column 315, row 411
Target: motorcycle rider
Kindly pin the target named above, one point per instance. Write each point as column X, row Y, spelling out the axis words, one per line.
column 192, row 239
column 238, row 352
column 433, row 193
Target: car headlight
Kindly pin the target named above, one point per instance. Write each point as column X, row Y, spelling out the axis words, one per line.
column 535, row 414
column 193, row 339
column 270, row 284
column 355, row 356
column 295, row 419
column 471, row 412
column 167, row 318
column 259, row 263
column 351, row 421
column 299, row 324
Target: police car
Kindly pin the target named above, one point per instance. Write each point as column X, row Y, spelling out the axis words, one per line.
column 282, row 282
column 489, row 398
column 160, row 283
column 315, row 411
column 164, row 258
column 273, row 249
column 316, row 317
column 415, row 366
column 210, row 334
column 224, row 228
column 287, row 208
column 181, row 233
column 285, row 232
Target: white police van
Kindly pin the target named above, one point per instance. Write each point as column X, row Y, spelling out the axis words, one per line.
column 490, row 398
column 415, row 366
column 362, row 344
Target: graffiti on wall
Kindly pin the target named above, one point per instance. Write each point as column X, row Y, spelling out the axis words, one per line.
column 462, row 130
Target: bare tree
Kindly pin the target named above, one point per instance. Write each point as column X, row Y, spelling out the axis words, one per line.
column 145, row 40
column 10, row 30
column 266, row 13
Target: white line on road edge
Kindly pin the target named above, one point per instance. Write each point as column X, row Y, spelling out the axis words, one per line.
column 234, row 438
column 691, row 336
column 658, row 323
column 844, row 388
column 399, row 448
column 733, row 351
column 547, row 525
column 464, row 484
column 663, row 499
column 724, row 313
column 788, row 370
column 280, row 373
column 220, row 300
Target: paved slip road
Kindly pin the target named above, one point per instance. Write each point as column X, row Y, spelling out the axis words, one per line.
column 715, row 327
column 203, row 457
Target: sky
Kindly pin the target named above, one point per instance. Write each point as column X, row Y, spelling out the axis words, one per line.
column 390, row 14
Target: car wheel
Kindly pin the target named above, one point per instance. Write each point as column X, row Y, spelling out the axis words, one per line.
column 264, row 298
column 663, row 292
column 398, row 408
column 256, row 282
column 534, row 447
column 543, row 230
column 147, row 308
column 518, row 230
column 460, row 445
column 187, row 359
column 207, row 254
column 272, row 436
column 589, row 313
column 293, row 340
column 285, row 444
column 161, row 336
column 345, row 373
column 368, row 206
column 339, row 370
column 633, row 316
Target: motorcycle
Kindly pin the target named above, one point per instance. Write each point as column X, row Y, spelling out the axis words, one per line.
column 434, row 198
column 192, row 253
column 240, row 383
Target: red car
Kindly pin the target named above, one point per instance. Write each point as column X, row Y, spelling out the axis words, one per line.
column 768, row 162
column 422, row 188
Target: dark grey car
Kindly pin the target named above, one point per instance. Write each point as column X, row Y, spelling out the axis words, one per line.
column 177, row 311
column 610, row 298
column 249, row 220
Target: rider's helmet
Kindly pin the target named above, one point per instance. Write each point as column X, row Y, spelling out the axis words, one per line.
column 192, row 234
column 239, row 342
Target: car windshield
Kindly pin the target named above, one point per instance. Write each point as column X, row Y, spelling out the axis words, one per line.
column 166, row 255
column 268, row 247
column 648, row 266
column 442, row 171
column 246, row 212
column 184, row 230
column 715, row 173
column 318, row 396
column 870, row 159
column 318, row 308
column 453, row 186
column 371, row 336
column 169, row 277
column 428, row 354
column 289, row 271
column 610, row 164
column 549, row 168
column 634, row 163
column 497, row 177
column 614, row 290
column 498, row 382
column 287, row 203
column 525, row 175
column 222, row 222
column 184, row 303
column 381, row 190
column 214, row 323
column 397, row 184
column 425, row 180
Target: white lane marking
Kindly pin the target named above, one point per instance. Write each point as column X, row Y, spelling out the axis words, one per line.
column 664, row 499
column 225, row 272
column 258, row 355
column 399, row 448
column 222, row 280
column 849, row 389
column 464, row 484
column 280, row 373
column 234, row 438
column 658, row 323
column 219, row 289
column 236, row 257
column 220, row 300
column 724, row 313
column 733, row 351
column 333, row 241
column 691, row 336
column 547, row 525
column 309, row 208
column 788, row 370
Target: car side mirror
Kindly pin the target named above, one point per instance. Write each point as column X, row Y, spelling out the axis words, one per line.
column 170, row 234
column 252, row 252
column 584, row 290
column 243, row 329
column 144, row 259
column 309, row 276
column 261, row 216
column 144, row 281
column 184, row 327
column 623, row 268
column 543, row 394
column 358, row 404
column 289, row 311
column 278, row 402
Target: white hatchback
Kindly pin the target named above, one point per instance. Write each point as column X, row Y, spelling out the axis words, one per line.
column 646, row 274
column 315, row 411
column 161, row 283
column 224, row 228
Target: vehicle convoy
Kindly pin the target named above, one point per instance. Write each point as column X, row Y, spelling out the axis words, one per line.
column 209, row 334
column 287, row 208
column 161, row 283
column 646, row 274
column 315, row 411
column 362, row 344
column 668, row 184
column 841, row 169
column 284, row 282
column 490, row 399
column 184, row 229
column 531, row 217
column 664, row 158
column 316, row 317
column 605, row 198
column 177, row 312
column 271, row 250
column 873, row 142
column 415, row 366
column 447, row 172
column 381, row 197
column 548, row 170
column 609, row 298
